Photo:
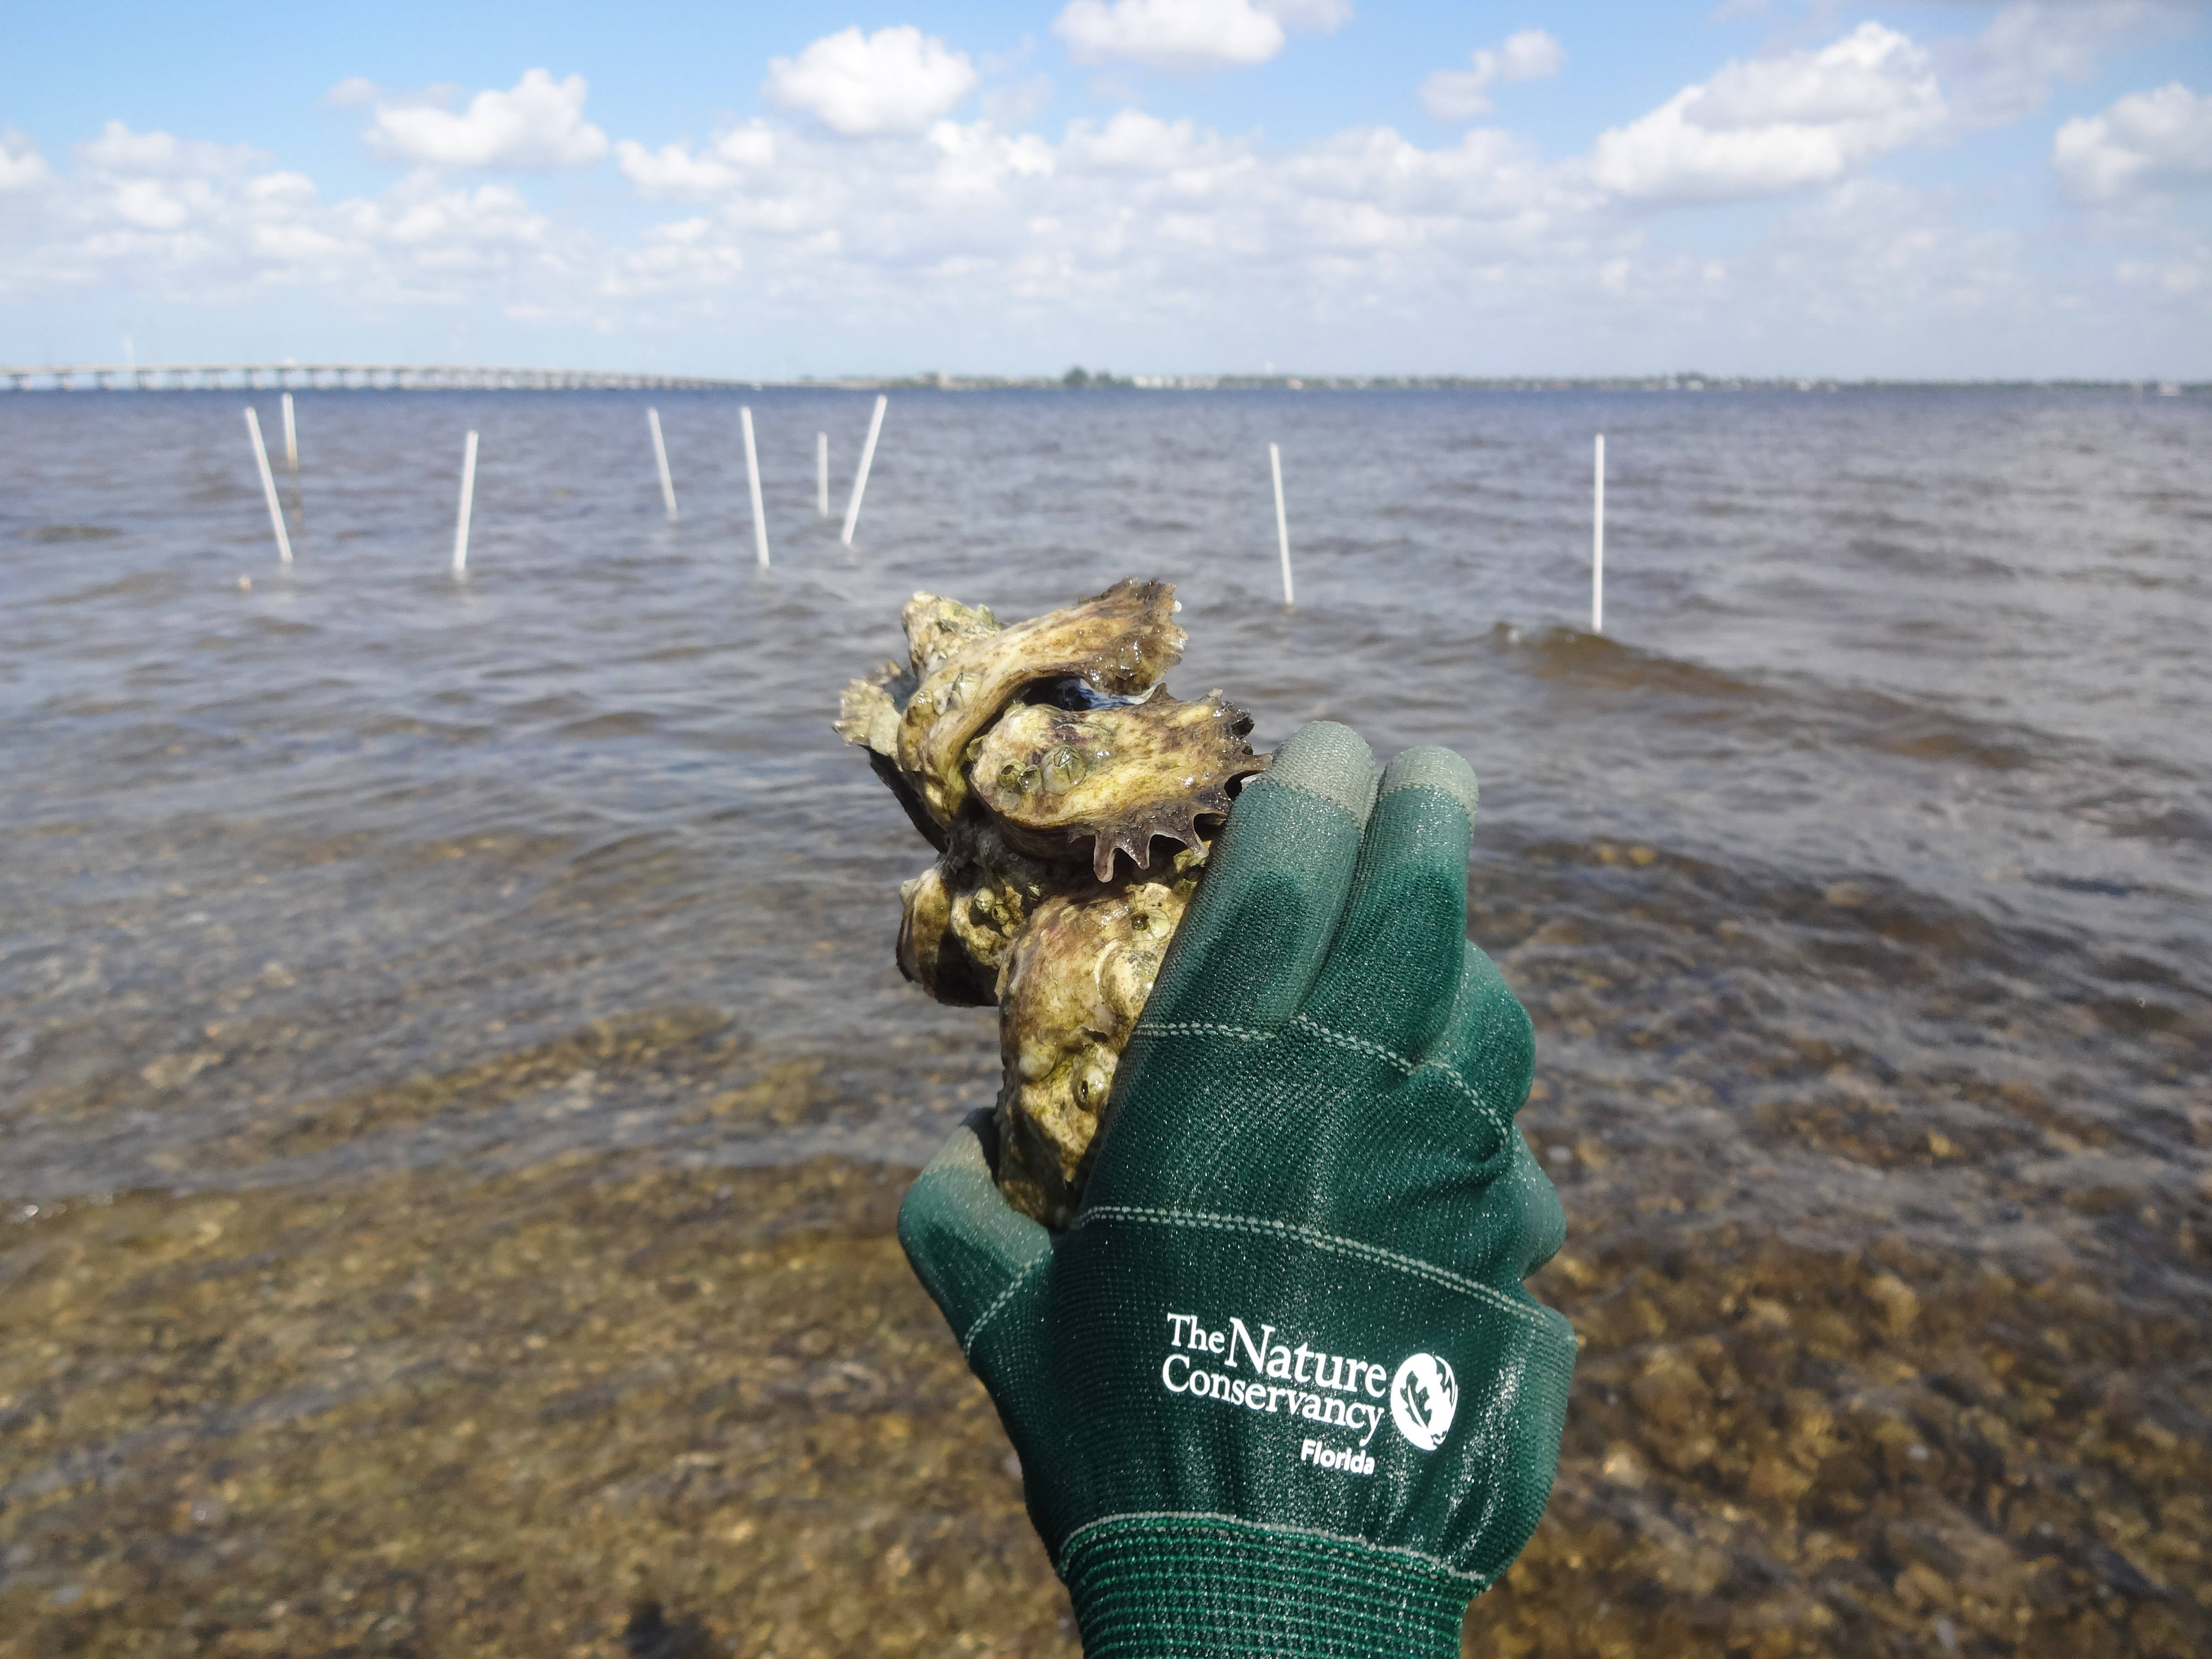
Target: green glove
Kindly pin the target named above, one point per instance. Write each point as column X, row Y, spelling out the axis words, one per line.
column 1279, row 1388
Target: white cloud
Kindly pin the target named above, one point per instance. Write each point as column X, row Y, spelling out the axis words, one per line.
column 355, row 92
column 686, row 259
column 2145, row 144
column 1162, row 237
column 1875, row 249
column 21, row 164
column 1181, row 37
column 537, row 123
column 1136, row 218
column 216, row 224
column 2007, row 70
column 1309, row 16
column 677, row 172
column 1131, row 142
column 1017, row 103
column 1869, row 275
column 451, row 228
column 149, row 204
column 1775, row 125
column 119, row 152
column 1134, row 215
column 894, row 81
column 1462, row 94
column 2178, row 278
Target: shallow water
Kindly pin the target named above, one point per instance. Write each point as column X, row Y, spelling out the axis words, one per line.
column 1860, row 882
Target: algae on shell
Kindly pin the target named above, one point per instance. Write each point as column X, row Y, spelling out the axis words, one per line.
column 1043, row 761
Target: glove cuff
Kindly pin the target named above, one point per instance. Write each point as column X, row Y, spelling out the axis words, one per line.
column 1163, row 1587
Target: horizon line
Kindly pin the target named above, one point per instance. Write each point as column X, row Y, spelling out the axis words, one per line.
column 334, row 376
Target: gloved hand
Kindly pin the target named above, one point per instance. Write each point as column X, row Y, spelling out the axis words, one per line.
column 1278, row 1389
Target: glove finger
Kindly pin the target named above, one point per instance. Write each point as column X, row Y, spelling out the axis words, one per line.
column 1487, row 1054
column 1394, row 967
column 968, row 1245
column 1247, row 950
column 1486, row 1059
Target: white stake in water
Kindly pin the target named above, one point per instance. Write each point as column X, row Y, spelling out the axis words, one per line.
column 468, row 502
column 291, row 438
column 268, row 485
column 753, row 482
column 861, row 478
column 1282, row 520
column 821, row 473
column 661, row 454
column 1597, row 544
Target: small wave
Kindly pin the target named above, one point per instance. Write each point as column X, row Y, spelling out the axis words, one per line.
column 1918, row 734
column 1943, row 562
column 2097, row 885
column 2152, row 820
column 148, row 584
column 1743, row 977
column 1571, row 653
column 409, row 726
column 627, row 723
column 68, row 532
column 1814, row 712
column 280, row 625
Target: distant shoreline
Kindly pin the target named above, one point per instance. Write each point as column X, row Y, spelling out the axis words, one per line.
column 1461, row 383
column 368, row 377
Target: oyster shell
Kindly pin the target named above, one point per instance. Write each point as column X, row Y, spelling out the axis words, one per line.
column 938, row 627
column 1119, row 644
column 1043, row 761
column 1116, row 777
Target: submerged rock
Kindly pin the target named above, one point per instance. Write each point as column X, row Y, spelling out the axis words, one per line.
column 1043, row 762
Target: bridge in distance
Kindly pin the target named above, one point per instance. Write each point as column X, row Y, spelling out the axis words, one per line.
column 338, row 377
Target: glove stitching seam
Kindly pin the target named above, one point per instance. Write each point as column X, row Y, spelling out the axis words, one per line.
column 1474, row 1099
column 1351, row 1247
column 1313, row 794
column 1314, row 1028
column 968, row 1342
column 1207, row 1028
column 1068, row 1544
column 1436, row 789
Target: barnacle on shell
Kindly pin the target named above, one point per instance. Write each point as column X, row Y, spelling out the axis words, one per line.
column 868, row 709
column 938, row 627
column 960, row 917
column 1029, row 756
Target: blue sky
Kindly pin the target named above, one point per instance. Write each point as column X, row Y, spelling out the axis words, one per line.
column 2015, row 190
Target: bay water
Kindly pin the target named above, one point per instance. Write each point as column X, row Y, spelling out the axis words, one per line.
column 1859, row 880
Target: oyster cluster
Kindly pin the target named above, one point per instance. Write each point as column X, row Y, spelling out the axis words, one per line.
column 1045, row 761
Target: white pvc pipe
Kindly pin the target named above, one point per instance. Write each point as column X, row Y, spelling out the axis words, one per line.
column 468, row 503
column 753, row 482
column 661, row 454
column 268, row 485
column 1597, row 544
column 821, row 473
column 291, row 438
column 1282, row 520
column 861, row 478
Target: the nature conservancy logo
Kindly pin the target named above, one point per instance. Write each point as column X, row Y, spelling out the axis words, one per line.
column 1254, row 1371
column 1424, row 1395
